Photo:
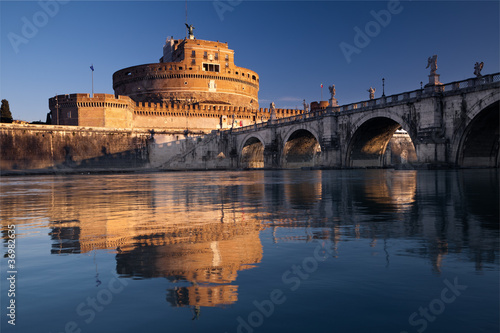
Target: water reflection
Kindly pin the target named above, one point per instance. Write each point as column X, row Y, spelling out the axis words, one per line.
column 391, row 189
column 199, row 230
column 302, row 192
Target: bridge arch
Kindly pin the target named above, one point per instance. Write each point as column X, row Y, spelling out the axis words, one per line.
column 301, row 148
column 370, row 137
column 252, row 152
column 476, row 141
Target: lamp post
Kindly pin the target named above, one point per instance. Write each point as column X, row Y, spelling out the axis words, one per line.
column 383, row 87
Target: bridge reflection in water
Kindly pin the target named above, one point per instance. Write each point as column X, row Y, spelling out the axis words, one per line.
column 199, row 230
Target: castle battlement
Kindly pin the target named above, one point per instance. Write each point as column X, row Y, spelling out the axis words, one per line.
column 108, row 110
column 216, row 109
column 86, row 98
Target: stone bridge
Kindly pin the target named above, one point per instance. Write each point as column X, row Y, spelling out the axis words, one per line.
column 454, row 124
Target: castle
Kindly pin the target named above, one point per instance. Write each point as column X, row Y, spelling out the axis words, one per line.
column 195, row 86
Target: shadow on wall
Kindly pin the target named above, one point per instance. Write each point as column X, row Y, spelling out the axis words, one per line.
column 199, row 152
column 52, row 149
column 134, row 158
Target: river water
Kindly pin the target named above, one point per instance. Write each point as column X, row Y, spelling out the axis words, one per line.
column 254, row 251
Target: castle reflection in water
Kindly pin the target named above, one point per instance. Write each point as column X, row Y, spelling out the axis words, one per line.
column 199, row 230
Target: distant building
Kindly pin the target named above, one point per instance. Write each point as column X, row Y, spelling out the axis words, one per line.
column 195, row 86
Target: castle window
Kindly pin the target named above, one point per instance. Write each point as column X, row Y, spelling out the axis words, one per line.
column 216, row 56
column 253, row 77
column 193, row 61
column 193, row 53
column 185, row 82
column 211, row 68
column 227, row 65
column 205, row 55
column 180, row 68
column 227, row 57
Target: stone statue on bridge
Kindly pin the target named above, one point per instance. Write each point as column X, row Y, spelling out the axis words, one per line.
column 306, row 106
column 332, row 90
column 372, row 92
column 432, row 63
column 333, row 100
column 272, row 109
column 433, row 77
column 478, row 67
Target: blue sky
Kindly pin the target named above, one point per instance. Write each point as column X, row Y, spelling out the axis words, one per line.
column 293, row 45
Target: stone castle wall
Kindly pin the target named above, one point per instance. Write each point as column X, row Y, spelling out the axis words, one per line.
column 101, row 110
column 202, row 117
column 190, row 70
column 164, row 82
column 105, row 110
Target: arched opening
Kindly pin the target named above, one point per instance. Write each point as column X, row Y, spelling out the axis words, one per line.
column 480, row 141
column 252, row 154
column 301, row 150
column 380, row 142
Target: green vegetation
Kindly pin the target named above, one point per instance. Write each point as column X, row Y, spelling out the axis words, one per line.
column 5, row 115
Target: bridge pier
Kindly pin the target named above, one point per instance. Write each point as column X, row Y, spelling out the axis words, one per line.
column 331, row 153
column 272, row 157
column 432, row 147
column 331, row 156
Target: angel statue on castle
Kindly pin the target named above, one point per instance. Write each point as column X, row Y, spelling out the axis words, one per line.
column 432, row 62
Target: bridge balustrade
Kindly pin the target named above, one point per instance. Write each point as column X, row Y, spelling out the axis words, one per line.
column 393, row 99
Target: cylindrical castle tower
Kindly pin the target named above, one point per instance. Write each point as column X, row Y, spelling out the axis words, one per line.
column 191, row 71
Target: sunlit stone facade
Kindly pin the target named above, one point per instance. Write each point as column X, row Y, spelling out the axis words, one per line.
column 195, row 86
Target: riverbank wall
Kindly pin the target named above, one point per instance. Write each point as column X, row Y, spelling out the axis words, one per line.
column 58, row 148
column 41, row 149
column 32, row 149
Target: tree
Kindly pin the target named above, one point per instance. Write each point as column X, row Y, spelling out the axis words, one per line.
column 5, row 115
